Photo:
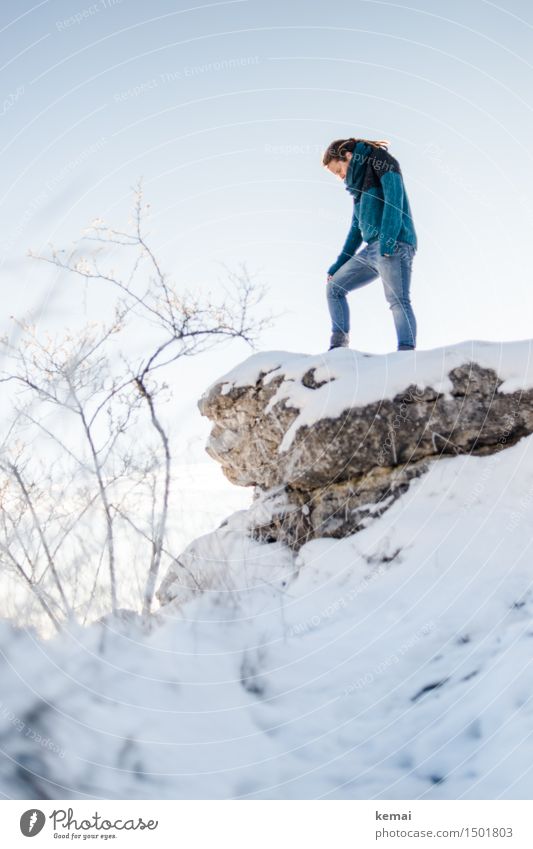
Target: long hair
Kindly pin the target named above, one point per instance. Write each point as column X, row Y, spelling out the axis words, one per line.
column 338, row 148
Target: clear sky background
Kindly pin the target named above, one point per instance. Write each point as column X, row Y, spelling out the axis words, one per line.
column 224, row 109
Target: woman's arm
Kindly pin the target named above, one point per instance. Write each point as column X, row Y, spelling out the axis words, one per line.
column 391, row 222
column 353, row 240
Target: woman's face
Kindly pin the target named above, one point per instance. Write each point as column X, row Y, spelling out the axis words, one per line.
column 340, row 167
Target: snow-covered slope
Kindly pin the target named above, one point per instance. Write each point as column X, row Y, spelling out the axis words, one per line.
column 395, row 663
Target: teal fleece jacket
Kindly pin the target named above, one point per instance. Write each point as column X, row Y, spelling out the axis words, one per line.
column 381, row 207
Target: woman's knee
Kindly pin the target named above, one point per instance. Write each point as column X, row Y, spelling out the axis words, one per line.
column 397, row 299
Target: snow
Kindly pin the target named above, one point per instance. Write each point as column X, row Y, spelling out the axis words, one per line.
column 353, row 378
column 393, row 664
column 247, row 373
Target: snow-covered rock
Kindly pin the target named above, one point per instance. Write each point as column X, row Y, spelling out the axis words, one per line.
column 343, row 433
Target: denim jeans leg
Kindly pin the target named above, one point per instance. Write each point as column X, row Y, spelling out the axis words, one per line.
column 395, row 273
column 356, row 272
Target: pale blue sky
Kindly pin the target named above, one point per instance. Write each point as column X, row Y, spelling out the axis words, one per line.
column 224, row 109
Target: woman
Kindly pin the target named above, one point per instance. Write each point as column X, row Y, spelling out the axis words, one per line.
column 381, row 218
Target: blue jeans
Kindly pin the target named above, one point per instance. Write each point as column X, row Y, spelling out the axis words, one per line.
column 395, row 273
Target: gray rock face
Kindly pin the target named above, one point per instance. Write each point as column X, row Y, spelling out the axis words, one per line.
column 334, row 510
column 341, row 470
column 417, row 423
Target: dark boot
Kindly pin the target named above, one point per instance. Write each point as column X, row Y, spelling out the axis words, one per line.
column 405, row 348
column 339, row 340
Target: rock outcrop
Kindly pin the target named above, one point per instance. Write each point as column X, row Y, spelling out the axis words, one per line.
column 343, row 434
column 329, row 442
